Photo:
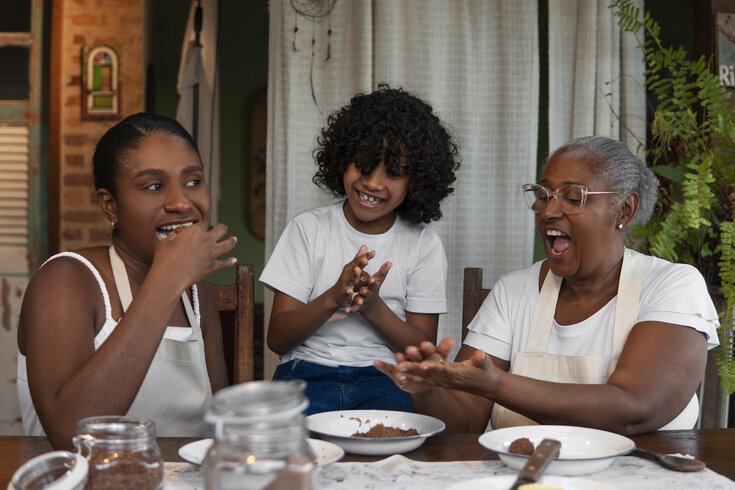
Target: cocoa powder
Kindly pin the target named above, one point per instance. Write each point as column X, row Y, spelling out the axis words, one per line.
column 380, row 431
column 124, row 470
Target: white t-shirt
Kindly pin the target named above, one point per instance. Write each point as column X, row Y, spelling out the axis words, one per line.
column 671, row 293
column 310, row 256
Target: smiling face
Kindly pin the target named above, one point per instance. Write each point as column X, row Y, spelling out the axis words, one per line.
column 160, row 187
column 372, row 199
column 584, row 244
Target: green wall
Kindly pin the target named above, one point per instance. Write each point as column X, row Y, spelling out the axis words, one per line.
column 243, row 70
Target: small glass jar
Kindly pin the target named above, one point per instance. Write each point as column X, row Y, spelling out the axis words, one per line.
column 260, row 438
column 121, row 451
column 57, row 470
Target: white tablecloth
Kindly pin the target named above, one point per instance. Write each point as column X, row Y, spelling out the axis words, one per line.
column 398, row 473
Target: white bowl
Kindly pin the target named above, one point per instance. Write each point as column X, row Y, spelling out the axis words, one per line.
column 324, row 452
column 339, row 426
column 583, row 451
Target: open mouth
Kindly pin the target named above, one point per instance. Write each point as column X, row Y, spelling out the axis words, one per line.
column 166, row 230
column 558, row 242
column 368, row 199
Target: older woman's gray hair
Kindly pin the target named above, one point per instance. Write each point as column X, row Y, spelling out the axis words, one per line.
column 619, row 169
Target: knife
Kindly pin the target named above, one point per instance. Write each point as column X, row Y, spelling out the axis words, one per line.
column 537, row 463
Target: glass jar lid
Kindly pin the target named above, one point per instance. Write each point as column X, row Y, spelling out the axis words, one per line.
column 57, row 470
column 116, row 429
column 258, row 400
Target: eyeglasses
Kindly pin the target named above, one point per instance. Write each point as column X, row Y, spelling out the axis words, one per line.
column 570, row 197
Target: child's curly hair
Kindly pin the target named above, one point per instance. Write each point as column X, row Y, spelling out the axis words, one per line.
column 394, row 125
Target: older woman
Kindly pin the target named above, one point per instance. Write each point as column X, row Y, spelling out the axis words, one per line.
column 596, row 335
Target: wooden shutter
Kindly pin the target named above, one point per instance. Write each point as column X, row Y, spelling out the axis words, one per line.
column 14, row 198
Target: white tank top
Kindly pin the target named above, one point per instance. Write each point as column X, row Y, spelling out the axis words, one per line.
column 182, row 336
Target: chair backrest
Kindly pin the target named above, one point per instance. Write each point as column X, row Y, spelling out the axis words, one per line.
column 236, row 304
column 473, row 294
column 714, row 401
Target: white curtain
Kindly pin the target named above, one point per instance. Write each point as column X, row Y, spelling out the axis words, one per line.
column 596, row 84
column 475, row 61
column 199, row 69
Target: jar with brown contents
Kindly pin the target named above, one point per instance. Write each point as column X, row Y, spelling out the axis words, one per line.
column 122, row 453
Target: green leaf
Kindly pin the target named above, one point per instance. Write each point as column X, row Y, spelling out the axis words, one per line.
column 693, row 148
column 672, row 173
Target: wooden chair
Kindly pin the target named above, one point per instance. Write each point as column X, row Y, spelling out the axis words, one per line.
column 713, row 399
column 236, row 304
column 473, row 294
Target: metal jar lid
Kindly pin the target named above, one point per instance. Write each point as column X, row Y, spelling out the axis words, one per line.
column 258, row 400
column 57, row 470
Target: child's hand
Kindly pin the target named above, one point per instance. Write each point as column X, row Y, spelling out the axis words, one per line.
column 349, row 280
column 367, row 291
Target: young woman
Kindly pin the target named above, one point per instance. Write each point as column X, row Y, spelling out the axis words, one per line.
column 131, row 328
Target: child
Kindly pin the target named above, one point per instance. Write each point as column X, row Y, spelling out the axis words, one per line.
column 336, row 309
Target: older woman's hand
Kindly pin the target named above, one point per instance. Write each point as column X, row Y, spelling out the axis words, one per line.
column 421, row 368
column 476, row 374
column 413, row 356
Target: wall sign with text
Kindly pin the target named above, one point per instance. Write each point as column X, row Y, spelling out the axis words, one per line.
column 725, row 32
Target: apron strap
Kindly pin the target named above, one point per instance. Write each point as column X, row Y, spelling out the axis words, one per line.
column 121, row 279
column 543, row 314
column 126, row 297
column 629, row 294
column 193, row 323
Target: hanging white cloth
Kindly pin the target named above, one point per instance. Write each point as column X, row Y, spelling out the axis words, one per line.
column 596, row 83
column 475, row 61
column 199, row 68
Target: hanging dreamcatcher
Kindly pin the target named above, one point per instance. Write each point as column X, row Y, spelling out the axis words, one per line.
column 313, row 9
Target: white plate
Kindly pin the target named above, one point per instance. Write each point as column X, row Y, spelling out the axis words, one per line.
column 324, row 452
column 504, row 482
column 583, row 451
column 338, row 427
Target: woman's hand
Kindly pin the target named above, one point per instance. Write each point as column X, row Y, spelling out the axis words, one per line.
column 188, row 255
column 427, row 366
column 415, row 357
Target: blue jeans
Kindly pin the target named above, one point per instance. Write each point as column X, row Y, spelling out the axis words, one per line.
column 345, row 387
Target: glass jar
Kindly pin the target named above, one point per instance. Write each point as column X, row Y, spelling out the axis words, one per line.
column 57, row 470
column 121, row 451
column 260, row 438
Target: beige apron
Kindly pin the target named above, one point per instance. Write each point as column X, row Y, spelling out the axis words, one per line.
column 176, row 390
column 536, row 363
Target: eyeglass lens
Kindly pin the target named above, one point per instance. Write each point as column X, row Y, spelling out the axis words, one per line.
column 570, row 198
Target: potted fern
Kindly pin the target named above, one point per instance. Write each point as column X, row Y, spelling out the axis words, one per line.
column 692, row 150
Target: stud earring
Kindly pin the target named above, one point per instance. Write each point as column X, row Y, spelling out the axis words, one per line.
column 619, row 226
column 113, row 225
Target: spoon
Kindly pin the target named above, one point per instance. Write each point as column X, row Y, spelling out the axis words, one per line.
column 676, row 463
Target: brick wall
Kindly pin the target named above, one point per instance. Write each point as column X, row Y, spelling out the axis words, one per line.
column 117, row 23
